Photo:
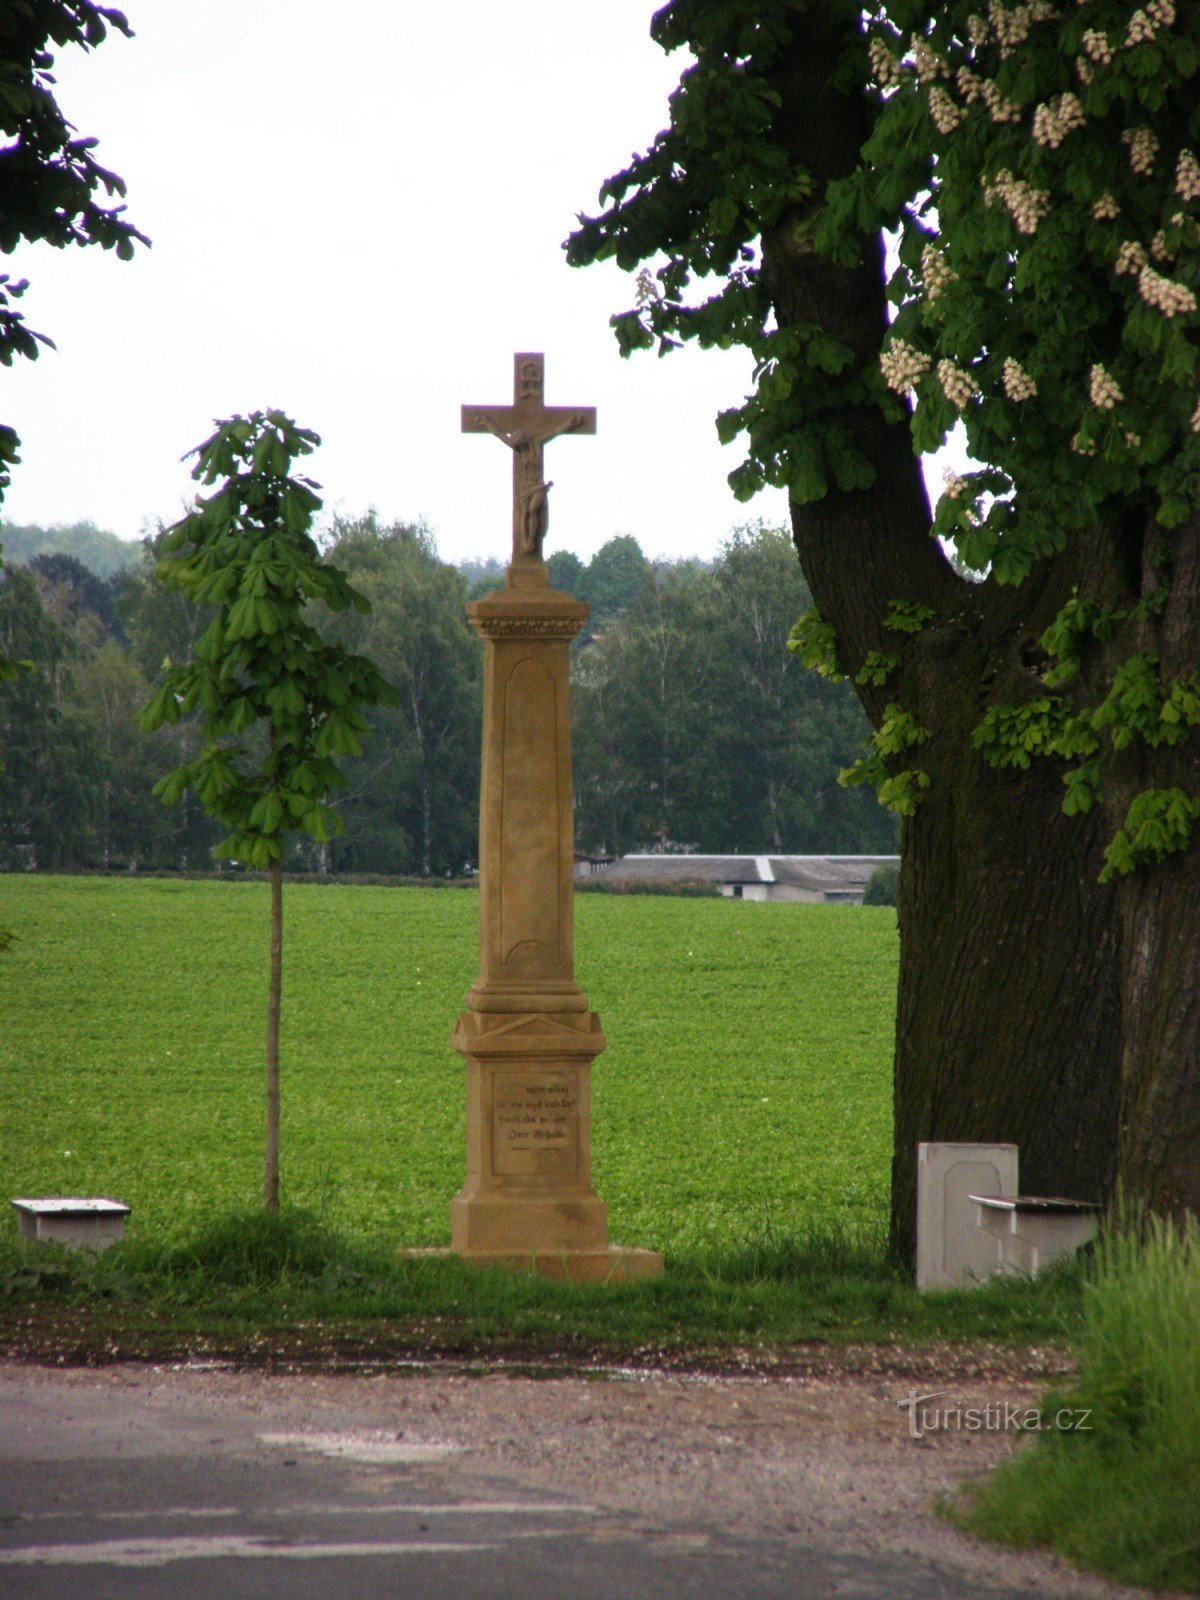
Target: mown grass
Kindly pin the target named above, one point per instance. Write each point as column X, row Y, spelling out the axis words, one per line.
column 741, row 1115
column 746, row 1083
column 1123, row 1496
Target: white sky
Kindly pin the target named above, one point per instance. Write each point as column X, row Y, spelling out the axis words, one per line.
column 356, row 213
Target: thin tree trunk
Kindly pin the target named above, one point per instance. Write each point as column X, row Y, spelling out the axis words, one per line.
column 271, row 1156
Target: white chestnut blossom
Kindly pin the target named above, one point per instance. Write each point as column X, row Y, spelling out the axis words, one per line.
column 1140, row 30
column 1164, row 294
column 1026, row 205
column 1011, row 28
column 1097, row 46
column 1053, row 121
column 1143, row 147
column 978, row 31
column 1000, row 108
column 1083, row 447
column 958, row 386
column 1018, row 385
column 935, row 274
column 1131, row 257
column 1195, row 422
column 1085, row 70
column 946, row 115
column 902, row 364
column 928, row 63
column 1187, row 176
column 884, row 67
column 1161, row 12
column 955, row 485
column 1103, row 388
column 1105, row 208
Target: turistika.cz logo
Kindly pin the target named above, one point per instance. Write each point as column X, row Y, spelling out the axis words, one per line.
column 997, row 1416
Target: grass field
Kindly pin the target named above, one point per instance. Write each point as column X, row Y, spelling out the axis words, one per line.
column 745, row 1091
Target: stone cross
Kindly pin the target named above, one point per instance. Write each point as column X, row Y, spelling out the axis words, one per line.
column 525, row 427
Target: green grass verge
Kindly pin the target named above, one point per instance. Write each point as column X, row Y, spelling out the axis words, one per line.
column 288, row 1284
column 741, row 1113
column 1122, row 1497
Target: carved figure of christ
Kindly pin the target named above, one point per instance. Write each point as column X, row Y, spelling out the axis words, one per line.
column 525, row 427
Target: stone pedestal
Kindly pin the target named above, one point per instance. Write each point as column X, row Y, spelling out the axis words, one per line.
column 528, row 1036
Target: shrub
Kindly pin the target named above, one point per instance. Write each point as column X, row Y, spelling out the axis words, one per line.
column 882, row 887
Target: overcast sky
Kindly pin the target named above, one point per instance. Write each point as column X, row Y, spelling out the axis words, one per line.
column 357, row 213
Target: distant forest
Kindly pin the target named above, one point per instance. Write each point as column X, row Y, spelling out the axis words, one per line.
column 694, row 728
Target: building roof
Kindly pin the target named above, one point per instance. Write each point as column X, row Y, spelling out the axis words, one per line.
column 825, row 873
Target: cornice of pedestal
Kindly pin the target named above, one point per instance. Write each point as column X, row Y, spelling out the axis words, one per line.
column 529, row 1034
column 527, row 608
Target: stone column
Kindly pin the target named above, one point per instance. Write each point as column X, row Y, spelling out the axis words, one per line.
column 528, row 1036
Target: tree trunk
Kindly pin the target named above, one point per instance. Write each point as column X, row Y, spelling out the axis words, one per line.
column 1008, row 1012
column 1159, row 1157
column 274, row 991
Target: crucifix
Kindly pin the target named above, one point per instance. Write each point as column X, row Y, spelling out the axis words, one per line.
column 527, row 1033
column 525, row 427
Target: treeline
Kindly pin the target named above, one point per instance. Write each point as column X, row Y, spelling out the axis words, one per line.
column 693, row 726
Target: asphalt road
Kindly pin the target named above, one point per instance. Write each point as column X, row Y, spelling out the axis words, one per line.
column 134, row 1486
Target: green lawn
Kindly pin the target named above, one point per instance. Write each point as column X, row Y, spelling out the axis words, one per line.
column 745, row 1092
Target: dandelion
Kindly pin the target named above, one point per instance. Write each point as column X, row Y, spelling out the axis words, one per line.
column 1103, row 388
column 902, row 364
column 957, row 385
column 1018, row 385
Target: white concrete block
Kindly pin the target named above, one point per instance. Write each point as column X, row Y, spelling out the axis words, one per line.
column 953, row 1252
column 1031, row 1232
column 81, row 1223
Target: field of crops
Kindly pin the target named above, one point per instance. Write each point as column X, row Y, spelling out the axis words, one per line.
column 745, row 1090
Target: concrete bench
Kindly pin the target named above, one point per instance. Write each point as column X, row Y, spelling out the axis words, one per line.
column 1032, row 1231
column 83, row 1224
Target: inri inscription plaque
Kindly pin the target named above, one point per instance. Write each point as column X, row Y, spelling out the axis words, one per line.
column 535, row 1123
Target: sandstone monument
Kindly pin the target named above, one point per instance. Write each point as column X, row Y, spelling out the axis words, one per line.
column 528, row 1035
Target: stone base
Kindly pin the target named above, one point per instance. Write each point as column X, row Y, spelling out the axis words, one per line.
column 613, row 1264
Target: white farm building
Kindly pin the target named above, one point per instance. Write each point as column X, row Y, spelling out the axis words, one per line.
column 809, row 878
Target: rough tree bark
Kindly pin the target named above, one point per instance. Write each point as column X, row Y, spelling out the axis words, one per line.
column 1159, row 907
column 1009, row 1015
